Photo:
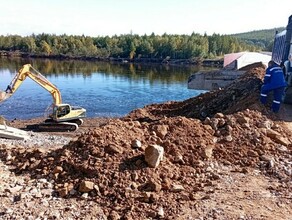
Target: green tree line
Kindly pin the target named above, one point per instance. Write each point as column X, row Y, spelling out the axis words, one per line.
column 261, row 38
column 129, row 46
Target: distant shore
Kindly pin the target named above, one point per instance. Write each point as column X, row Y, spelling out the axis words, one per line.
column 167, row 61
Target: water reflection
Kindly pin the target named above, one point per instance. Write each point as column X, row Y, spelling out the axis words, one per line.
column 48, row 67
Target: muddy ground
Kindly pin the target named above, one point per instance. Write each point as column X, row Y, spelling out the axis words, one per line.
column 221, row 155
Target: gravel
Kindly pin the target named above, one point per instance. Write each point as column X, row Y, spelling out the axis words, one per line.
column 38, row 140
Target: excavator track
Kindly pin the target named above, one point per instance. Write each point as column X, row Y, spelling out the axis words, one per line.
column 50, row 125
column 57, row 126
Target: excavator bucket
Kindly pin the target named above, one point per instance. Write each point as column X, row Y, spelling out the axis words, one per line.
column 4, row 96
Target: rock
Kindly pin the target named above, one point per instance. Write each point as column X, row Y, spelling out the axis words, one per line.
column 271, row 164
column 208, row 152
column 150, row 186
column 177, row 188
column 266, row 157
column 96, row 189
column 72, row 192
column 265, row 124
column 136, row 144
column 229, row 128
column 245, row 125
column 178, row 158
column 282, row 140
column 145, row 197
column 114, row 215
column 242, row 119
column 269, row 159
column 271, row 133
column 46, row 192
column 207, row 121
column 84, row 196
column 114, row 149
column 63, row 192
column 161, row 130
column 153, row 155
column 166, row 184
column 58, row 169
column 277, row 137
column 282, row 148
column 221, row 122
column 219, row 115
column 15, row 189
column 9, row 211
column 86, row 186
column 214, row 123
column 228, row 138
column 160, row 212
column 252, row 153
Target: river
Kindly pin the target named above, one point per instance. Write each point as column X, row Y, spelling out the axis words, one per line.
column 103, row 89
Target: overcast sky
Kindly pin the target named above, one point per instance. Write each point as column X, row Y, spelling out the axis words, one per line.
column 110, row 17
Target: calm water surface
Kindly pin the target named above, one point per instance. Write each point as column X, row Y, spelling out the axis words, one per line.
column 104, row 89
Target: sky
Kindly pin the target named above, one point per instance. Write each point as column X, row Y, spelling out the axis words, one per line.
column 115, row 17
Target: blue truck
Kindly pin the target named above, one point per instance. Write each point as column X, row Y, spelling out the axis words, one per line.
column 281, row 50
column 283, row 44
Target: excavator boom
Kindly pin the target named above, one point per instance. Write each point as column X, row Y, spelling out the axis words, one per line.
column 28, row 71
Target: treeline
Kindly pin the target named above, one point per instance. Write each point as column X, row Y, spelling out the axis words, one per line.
column 260, row 38
column 129, row 46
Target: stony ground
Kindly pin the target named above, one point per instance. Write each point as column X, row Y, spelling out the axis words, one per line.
column 221, row 155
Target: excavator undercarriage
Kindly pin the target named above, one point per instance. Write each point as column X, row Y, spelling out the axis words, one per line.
column 50, row 125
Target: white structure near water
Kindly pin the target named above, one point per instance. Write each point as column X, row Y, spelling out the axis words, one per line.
column 233, row 62
column 236, row 61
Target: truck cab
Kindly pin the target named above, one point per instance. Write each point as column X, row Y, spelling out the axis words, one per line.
column 281, row 50
column 283, row 44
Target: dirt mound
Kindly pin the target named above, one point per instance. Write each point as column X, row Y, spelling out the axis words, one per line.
column 104, row 163
column 252, row 66
column 243, row 93
column 108, row 165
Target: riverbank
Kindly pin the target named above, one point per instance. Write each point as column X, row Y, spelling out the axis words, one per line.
column 196, row 61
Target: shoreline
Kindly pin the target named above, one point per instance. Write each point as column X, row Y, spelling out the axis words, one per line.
column 192, row 61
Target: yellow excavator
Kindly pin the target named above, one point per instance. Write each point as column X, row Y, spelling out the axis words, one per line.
column 61, row 116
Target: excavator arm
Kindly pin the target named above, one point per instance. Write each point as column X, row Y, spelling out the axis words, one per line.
column 28, row 71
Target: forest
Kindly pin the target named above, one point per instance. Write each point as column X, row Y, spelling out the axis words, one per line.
column 136, row 47
column 127, row 46
column 261, row 38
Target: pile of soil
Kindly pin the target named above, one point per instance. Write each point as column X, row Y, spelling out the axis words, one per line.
column 202, row 138
column 242, row 94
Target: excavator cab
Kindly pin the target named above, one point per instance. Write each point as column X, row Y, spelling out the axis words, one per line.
column 68, row 113
column 61, row 110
